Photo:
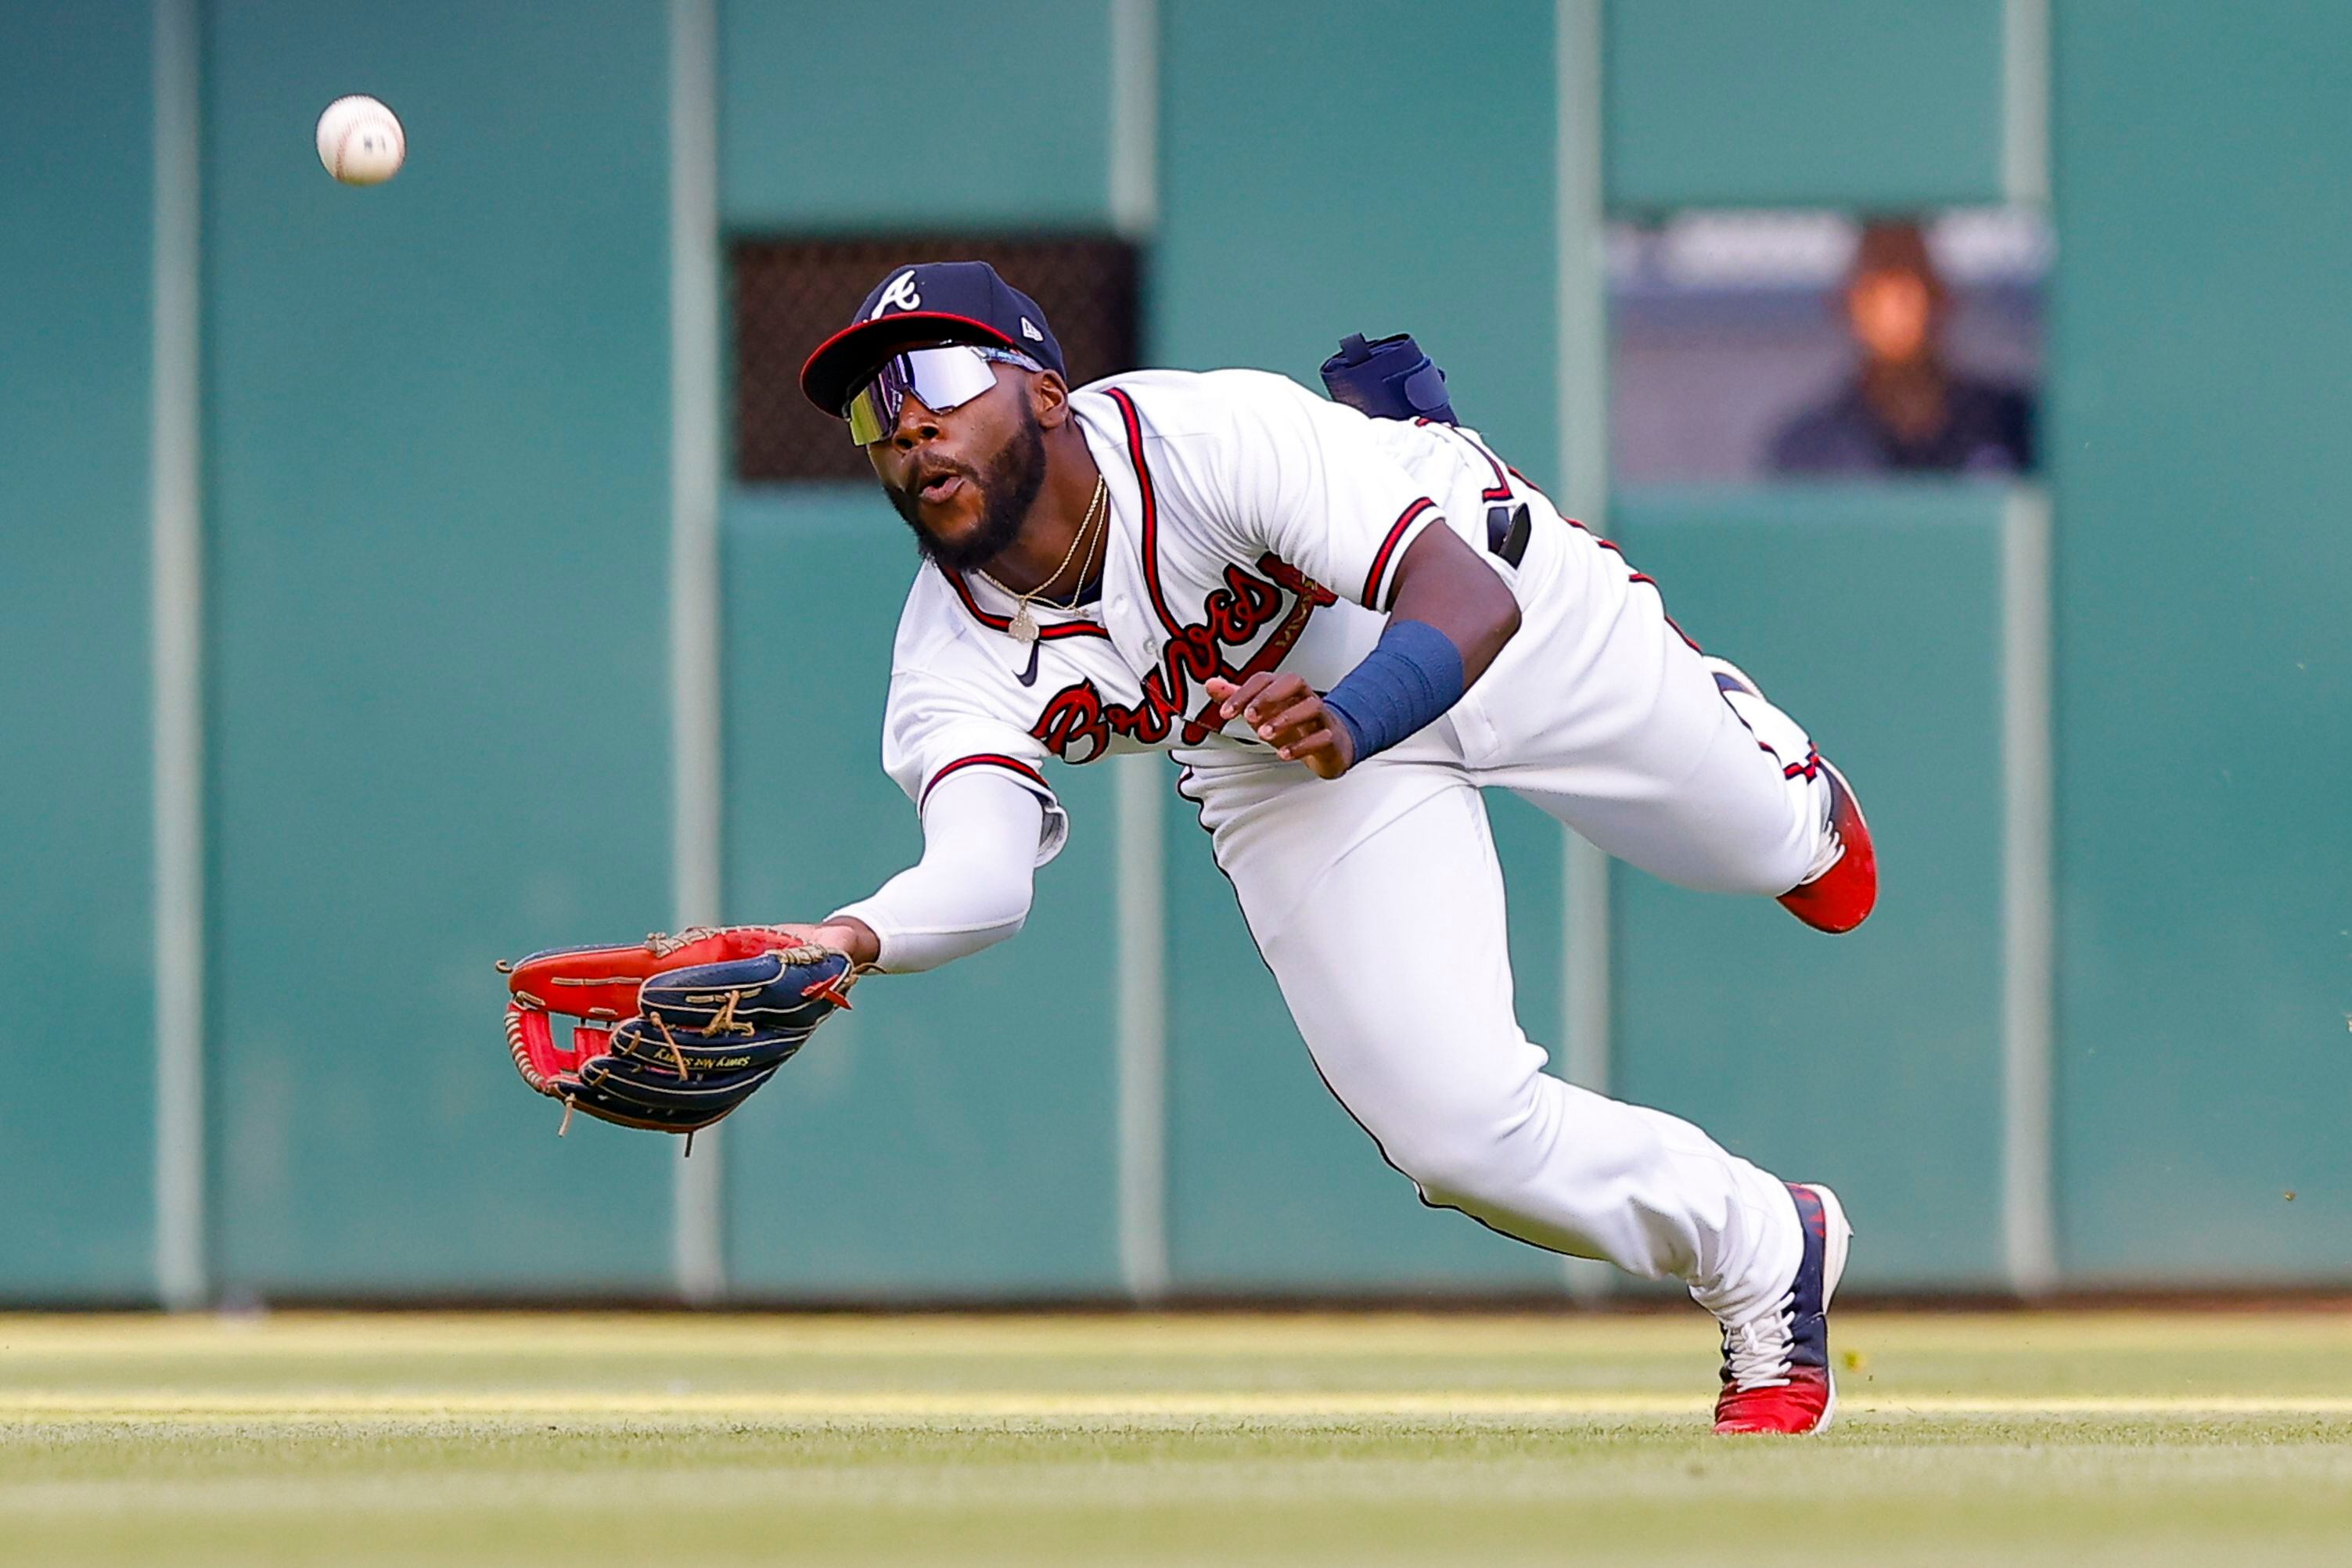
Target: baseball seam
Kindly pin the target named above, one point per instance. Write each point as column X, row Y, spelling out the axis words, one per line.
column 343, row 141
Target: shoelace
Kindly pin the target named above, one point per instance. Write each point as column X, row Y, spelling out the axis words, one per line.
column 1753, row 1359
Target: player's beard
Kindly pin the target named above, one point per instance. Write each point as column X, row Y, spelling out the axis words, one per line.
column 1006, row 492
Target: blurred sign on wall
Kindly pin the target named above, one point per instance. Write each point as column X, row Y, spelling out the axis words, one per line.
column 1729, row 327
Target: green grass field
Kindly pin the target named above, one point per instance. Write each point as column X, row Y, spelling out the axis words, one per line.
column 2066, row 1438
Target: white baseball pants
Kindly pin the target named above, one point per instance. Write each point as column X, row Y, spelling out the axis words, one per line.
column 1377, row 901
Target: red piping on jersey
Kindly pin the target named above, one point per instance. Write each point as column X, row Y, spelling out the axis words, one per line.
column 1631, row 574
column 1501, row 489
column 1372, row 600
column 1642, row 577
column 986, row 760
column 1761, row 744
column 1150, row 508
column 1528, row 483
column 1003, row 623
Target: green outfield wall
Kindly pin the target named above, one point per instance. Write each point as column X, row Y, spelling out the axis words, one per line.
column 2204, row 662
column 1834, row 103
column 76, row 840
column 2096, row 1034
column 1875, row 1061
column 435, row 498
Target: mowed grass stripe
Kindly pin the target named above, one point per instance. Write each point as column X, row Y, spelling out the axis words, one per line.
column 580, row 1440
column 330, row 1335
column 43, row 1405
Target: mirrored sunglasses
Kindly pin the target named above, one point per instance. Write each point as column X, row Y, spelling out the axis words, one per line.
column 940, row 378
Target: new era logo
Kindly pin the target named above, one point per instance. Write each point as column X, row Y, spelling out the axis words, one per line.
column 1029, row 330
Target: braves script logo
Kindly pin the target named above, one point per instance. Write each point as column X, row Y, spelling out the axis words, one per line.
column 1077, row 724
column 899, row 296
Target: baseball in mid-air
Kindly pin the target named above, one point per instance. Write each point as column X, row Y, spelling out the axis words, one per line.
column 360, row 141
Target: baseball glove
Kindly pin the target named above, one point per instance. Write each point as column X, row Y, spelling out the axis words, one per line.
column 674, row 1031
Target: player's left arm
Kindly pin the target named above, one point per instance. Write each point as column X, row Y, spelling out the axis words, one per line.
column 1449, row 617
column 1446, row 584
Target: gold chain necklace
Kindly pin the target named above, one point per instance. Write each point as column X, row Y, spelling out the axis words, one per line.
column 1023, row 629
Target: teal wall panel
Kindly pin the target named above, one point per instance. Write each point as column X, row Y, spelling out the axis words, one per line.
column 2202, row 328
column 76, row 177
column 1387, row 168
column 1831, row 102
column 1872, row 1061
column 437, row 416
column 1298, row 205
column 955, row 1134
column 847, row 118
column 436, row 425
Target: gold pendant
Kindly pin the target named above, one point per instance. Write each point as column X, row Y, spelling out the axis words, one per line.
column 1024, row 625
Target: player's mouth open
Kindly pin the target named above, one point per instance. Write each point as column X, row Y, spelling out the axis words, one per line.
column 940, row 488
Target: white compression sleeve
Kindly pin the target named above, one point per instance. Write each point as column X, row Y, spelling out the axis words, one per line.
column 971, row 889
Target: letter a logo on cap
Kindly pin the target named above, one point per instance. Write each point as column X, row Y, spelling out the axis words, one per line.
column 899, row 296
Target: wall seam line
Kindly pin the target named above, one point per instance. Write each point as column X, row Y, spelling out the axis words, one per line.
column 1134, row 74
column 176, row 659
column 2025, row 100
column 1141, row 984
column 697, row 742
column 1582, row 370
column 1139, row 874
column 2028, row 924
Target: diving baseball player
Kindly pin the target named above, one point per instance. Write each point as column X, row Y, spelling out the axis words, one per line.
column 1342, row 626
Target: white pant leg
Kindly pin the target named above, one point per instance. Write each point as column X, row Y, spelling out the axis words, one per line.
column 1392, row 957
column 1713, row 788
column 1602, row 713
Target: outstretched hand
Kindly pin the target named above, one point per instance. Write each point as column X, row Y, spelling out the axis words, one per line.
column 1289, row 716
column 853, row 936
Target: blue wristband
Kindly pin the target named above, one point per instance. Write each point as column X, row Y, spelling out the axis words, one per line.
column 1412, row 675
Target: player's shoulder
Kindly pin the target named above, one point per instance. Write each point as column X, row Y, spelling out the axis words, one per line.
column 1171, row 405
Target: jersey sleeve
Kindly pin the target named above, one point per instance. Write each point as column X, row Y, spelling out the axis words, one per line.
column 936, row 728
column 1305, row 478
column 973, row 885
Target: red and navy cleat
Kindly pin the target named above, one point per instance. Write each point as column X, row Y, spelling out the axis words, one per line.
column 1776, row 1365
column 1840, row 897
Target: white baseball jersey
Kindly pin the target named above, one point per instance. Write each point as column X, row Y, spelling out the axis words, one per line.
column 1254, row 527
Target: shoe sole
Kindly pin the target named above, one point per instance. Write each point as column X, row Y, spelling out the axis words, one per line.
column 1837, row 1241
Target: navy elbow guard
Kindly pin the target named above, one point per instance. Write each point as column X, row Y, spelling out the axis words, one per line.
column 1412, row 675
column 1387, row 379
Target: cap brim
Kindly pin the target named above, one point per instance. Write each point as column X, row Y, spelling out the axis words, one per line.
column 845, row 359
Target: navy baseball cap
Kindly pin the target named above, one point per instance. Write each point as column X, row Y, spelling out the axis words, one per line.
column 928, row 302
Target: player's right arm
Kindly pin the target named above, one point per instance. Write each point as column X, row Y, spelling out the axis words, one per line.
column 953, row 741
column 971, row 890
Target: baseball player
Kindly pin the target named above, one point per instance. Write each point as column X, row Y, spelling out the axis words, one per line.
column 1342, row 627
